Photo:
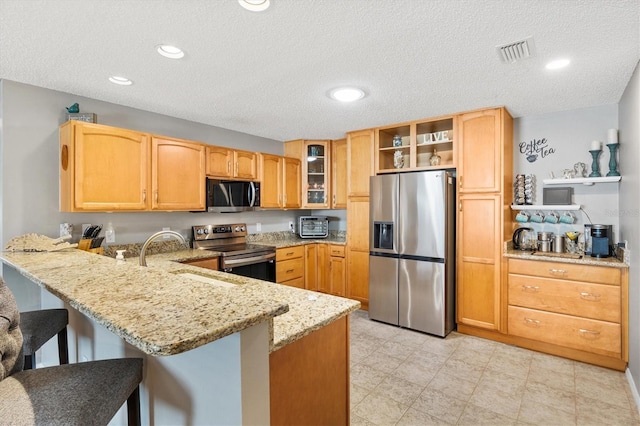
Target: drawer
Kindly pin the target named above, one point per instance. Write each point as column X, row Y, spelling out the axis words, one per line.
column 588, row 335
column 289, row 269
column 595, row 301
column 565, row 271
column 289, row 253
column 296, row 282
column 336, row 251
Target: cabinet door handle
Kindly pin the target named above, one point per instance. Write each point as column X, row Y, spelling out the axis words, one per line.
column 460, row 206
column 589, row 296
column 558, row 271
column 334, row 198
column 584, row 331
column 533, row 288
column 155, row 195
column 531, row 321
column 228, row 166
column 460, row 181
column 144, row 195
column 237, row 168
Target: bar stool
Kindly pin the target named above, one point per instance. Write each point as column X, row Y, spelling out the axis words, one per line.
column 38, row 327
column 80, row 394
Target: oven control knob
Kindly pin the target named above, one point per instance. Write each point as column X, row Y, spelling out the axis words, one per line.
column 237, row 229
column 206, row 231
column 199, row 232
column 242, row 228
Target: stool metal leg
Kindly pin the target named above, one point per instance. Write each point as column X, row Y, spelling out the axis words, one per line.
column 133, row 408
column 63, row 349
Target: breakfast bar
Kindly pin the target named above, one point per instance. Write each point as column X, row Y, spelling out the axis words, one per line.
column 213, row 343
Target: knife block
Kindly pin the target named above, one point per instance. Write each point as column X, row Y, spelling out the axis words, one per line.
column 86, row 243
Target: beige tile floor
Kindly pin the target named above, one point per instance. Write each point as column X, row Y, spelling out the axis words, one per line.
column 402, row 377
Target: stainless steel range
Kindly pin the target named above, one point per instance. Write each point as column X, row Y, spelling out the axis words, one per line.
column 237, row 256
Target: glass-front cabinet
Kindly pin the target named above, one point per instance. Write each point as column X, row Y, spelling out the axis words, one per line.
column 418, row 145
column 316, row 174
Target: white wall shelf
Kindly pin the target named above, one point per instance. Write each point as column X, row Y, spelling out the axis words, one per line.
column 545, row 207
column 585, row 181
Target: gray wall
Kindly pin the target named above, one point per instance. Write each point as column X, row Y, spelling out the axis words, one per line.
column 30, row 117
column 569, row 134
column 629, row 137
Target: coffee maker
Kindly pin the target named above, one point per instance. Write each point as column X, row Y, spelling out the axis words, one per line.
column 598, row 240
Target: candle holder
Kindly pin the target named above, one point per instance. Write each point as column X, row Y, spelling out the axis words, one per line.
column 595, row 168
column 613, row 165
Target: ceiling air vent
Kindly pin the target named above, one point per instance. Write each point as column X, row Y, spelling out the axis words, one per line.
column 516, row 51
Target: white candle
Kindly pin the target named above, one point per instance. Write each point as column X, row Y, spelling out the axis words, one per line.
column 612, row 136
column 596, row 146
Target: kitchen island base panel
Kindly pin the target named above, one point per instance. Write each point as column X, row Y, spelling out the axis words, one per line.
column 547, row 348
column 310, row 378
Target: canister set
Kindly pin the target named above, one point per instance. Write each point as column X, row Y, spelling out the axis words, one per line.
column 523, row 189
column 528, row 239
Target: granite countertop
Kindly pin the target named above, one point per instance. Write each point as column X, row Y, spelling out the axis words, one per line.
column 613, row 261
column 288, row 239
column 162, row 313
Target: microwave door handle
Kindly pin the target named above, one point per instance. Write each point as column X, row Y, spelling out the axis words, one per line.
column 252, row 194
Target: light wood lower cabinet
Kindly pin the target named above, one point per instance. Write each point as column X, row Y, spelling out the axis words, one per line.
column 312, row 266
column 290, row 266
column 336, row 276
column 575, row 310
column 309, row 379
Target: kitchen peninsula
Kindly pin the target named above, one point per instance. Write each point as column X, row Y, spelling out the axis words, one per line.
column 212, row 347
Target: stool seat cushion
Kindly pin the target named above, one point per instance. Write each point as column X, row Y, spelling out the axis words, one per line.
column 86, row 393
column 11, row 359
column 38, row 327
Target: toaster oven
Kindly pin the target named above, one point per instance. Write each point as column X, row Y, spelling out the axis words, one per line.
column 313, row 227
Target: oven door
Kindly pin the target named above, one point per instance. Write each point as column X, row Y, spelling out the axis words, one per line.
column 262, row 266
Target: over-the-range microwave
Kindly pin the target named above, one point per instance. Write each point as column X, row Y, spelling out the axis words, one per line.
column 228, row 196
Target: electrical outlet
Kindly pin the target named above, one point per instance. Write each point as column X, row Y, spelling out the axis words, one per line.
column 291, row 227
column 166, row 237
column 258, row 227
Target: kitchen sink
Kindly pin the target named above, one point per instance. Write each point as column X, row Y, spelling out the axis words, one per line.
column 204, row 279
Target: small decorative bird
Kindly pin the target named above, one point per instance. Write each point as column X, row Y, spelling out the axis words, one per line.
column 73, row 108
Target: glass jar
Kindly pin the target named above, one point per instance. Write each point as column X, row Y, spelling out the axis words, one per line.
column 397, row 140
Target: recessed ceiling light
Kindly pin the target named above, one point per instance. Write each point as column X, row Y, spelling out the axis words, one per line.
column 557, row 64
column 169, row 51
column 347, row 94
column 255, row 5
column 123, row 81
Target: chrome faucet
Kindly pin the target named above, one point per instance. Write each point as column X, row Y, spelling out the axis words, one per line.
column 143, row 251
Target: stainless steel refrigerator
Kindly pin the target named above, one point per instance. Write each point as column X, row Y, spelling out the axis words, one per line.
column 412, row 251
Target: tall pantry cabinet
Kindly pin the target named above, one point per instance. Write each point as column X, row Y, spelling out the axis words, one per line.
column 360, row 148
column 484, row 174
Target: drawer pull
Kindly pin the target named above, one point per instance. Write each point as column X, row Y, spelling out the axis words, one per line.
column 531, row 321
column 533, row 288
column 289, row 271
column 558, row 271
column 584, row 331
column 290, row 253
column 589, row 296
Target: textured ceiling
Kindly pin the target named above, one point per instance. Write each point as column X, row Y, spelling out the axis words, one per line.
column 268, row 73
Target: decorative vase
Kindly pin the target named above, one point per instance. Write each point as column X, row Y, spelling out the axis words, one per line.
column 435, row 158
column 397, row 140
column 613, row 165
column 398, row 159
column 595, row 168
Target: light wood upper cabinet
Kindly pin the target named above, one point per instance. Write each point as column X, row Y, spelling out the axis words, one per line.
column 103, row 168
column 271, row 186
column 229, row 163
column 315, row 159
column 482, row 137
column 359, row 163
column 339, row 174
column 177, row 175
column 292, row 183
column 280, row 182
